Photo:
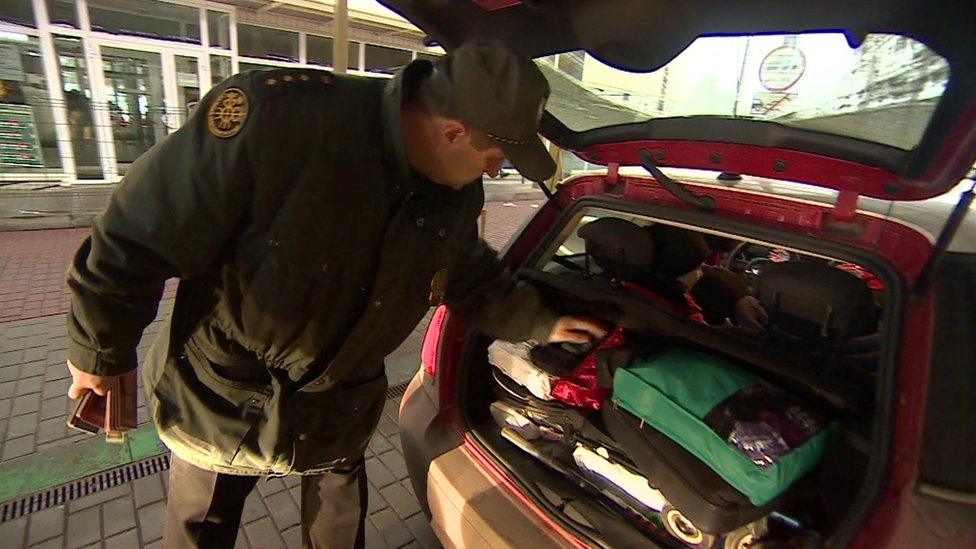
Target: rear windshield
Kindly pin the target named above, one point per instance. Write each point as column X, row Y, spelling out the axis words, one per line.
column 884, row 91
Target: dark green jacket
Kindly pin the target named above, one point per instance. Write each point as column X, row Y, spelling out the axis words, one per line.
column 305, row 250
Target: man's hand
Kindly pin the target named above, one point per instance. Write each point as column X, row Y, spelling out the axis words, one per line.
column 83, row 381
column 749, row 313
column 577, row 329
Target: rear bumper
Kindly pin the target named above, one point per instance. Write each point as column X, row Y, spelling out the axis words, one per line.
column 466, row 505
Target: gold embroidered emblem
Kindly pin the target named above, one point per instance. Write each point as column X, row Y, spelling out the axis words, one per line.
column 438, row 285
column 226, row 115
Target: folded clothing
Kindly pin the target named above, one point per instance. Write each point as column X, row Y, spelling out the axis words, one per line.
column 513, row 360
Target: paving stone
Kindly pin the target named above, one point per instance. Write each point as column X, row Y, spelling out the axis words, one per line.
column 270, row 486
column 292, row 480
column 53, row 543
column 158, row 544
column 84, row 528
column 420, row 528
column 375, row 500
column 46, row 524
column 10, row 358
column 26, row 404
column 148, row 490
column 57, row 388
column 283, row 510
column 21, row 425
column 126, row 540
column 395, row 441
column 33, row 369
column 100, row 497
column 393, row 530
column 394, row 462
column 118, row 516
column 54, row 372
column 51, row 429
column 241, row 542
column 14, row 532
column 373, row 538
column 404, row 504
column 253, row 508
column 53, row 408
column 37, row 353
column 387, row 426
column 9, row 373
column 293, row 537
column 18, row 447
column 8, row 389
column 377, row 474
column 379, row 444
column 152, row 521
column 5, row 406
column 262, row 534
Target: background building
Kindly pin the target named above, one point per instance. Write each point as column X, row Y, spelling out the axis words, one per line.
column 86, row 86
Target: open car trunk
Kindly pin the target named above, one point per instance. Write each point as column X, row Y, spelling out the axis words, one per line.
column 613, row 476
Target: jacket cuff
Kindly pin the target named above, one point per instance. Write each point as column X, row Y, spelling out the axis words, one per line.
column 102, row 363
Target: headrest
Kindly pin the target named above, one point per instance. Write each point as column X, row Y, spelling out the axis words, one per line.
column 677, row 251
column 621, row 248
column 814, row 302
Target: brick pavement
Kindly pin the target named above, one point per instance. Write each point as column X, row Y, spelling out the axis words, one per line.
column 133, row 514
column 33, row 407
column 33, row 263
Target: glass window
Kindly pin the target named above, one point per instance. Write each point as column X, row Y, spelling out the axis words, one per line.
column 63, row 13
column 134, row 90
column 267, row 43
column 429, row 57
column 187, row 86
column 884, row 91
column 246, row 67
column 319, row 52
column 220, row 68
column 18, row 12
column 148, row 18
column 78, row 103
column 27, row 132
column 218, row 25
column 386, row 60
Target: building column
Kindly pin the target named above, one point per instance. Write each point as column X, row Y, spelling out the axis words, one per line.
column 340, row 44
column 96, row 81
column 52, row 77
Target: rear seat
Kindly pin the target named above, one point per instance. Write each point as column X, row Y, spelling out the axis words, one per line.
column 817, row 306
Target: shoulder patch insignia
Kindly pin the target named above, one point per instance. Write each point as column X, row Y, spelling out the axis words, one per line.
column 226, row 115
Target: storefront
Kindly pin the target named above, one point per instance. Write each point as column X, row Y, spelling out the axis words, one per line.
column 87, row 86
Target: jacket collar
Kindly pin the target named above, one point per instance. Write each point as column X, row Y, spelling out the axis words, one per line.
column 394, row 150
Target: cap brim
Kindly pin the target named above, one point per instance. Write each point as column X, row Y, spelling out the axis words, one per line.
column 532, row 159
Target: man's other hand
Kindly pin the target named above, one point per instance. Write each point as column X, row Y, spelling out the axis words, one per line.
column 577, row 329
column 83, row 381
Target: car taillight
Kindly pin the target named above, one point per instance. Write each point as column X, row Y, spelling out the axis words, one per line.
column 428, row 353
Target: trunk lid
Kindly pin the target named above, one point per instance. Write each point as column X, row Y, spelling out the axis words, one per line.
column 879, row 101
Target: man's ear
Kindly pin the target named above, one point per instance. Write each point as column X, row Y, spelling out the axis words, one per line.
column 453, row 130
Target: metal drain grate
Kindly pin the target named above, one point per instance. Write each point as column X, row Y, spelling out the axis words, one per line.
column 397, row 390
column 87, row 486
column 82, row 487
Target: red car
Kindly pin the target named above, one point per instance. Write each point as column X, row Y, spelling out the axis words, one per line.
column 814, row 153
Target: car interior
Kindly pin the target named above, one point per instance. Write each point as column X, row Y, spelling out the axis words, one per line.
column 731, row 404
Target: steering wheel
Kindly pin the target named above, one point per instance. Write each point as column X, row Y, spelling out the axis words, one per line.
column 753, row 270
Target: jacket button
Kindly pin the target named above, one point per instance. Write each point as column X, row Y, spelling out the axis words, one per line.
column 325, row 267
column 273, row 243
column 303, row 436
column 420, row 222
column 377, row 303
column 318, row 382
column 441, row 233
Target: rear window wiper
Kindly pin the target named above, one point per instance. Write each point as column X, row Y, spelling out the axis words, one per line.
column 703, row 202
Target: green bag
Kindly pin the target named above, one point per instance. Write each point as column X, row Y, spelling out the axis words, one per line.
column 692, row 397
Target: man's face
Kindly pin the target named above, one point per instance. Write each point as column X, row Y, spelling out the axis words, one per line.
column 465, row 154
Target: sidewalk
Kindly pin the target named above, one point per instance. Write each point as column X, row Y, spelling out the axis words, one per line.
column 33, row 409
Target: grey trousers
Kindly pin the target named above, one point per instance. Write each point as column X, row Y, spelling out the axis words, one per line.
column 204, row 508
